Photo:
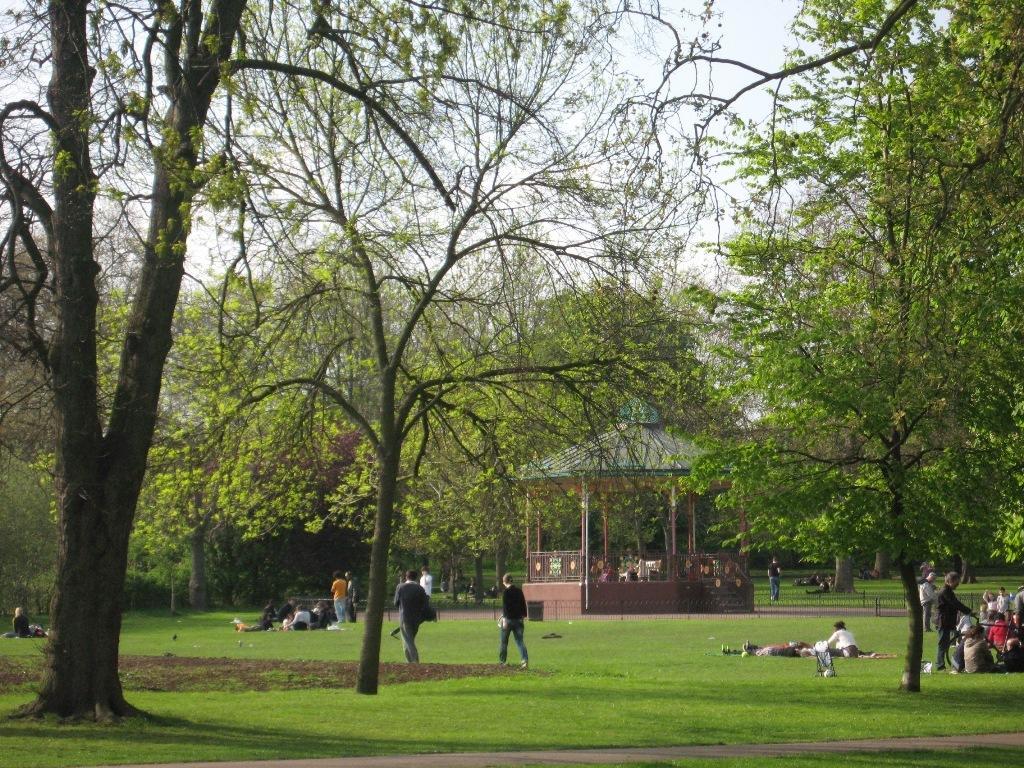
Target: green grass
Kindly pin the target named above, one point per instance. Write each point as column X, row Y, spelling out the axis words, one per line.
column 898, row 759
column 603, row 683
column 866, row 591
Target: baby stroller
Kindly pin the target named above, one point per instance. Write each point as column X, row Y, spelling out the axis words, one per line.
column 823, row 656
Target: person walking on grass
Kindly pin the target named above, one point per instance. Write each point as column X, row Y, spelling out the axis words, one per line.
column 411, row 601
column 339, row 592
column 513, row 614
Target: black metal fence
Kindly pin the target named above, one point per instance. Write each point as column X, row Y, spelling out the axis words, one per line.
column 571, row 610
column 832, row 605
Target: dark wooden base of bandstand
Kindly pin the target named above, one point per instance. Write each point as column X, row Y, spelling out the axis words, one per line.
column 638, row 597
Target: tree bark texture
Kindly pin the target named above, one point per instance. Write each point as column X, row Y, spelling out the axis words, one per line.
column 98, row 475
column 844, row 574
column 911, row 680
column 368, row 675
column 883, row 564
column 197, row 576
column 478, row 576
column 453, row 579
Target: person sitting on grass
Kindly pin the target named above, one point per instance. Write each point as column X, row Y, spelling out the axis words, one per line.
column 1001, row 635
column 298, row 621
column 977, row 657
column 824, row 585
column 997, row 630
column 21, row 628
column 285, row 611
column 844, row 643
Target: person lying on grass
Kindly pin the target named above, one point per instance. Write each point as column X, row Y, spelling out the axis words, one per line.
column 265, row 623
column 791, row 649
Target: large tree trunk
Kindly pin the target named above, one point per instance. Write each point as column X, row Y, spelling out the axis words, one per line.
column 197, row 576
column 844, row 574
column 98, row 475
column 883, row 564
column 453, row 579
column 967, row 572
column 478, row 577
column 80, row 674
column 911, row 680
column 368, row 676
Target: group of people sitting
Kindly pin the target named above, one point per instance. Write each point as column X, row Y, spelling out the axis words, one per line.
column 298, row 617
column 992, row 635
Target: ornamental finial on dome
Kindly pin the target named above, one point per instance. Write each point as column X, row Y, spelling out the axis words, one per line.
column 636, row 411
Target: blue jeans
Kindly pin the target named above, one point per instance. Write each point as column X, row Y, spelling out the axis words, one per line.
column 773, row 585
column 515, row 628
column 339, row 609
column 946, row 638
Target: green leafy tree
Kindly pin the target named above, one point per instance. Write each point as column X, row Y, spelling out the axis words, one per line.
column 28, row 537
column 130, row 88
column 220, row 463
column 873, row 348
column 421, row 170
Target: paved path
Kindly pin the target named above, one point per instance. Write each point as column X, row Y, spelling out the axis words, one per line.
column 624, row 755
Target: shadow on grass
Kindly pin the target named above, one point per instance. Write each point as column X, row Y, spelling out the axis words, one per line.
column 145, row 739
column 895, row 759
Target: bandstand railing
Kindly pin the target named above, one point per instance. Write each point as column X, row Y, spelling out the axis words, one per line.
column 556, row 566
column 650, row 565
column 723, row 569
column 720, row 567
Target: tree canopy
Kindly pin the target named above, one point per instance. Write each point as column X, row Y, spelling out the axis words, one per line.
column 872, row 342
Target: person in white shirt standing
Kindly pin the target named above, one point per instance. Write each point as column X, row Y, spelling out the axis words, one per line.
column 426, row 580
column 927, row 592
column 1003, row 601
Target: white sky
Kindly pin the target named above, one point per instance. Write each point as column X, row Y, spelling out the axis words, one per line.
column 755, row 32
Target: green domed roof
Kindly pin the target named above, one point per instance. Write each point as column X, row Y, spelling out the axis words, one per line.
column 638, row 446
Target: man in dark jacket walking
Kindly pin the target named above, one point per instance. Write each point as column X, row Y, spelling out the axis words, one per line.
column 947, row 607
column 513, row 613
column 411, row 601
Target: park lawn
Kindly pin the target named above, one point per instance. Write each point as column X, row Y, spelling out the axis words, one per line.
column 866, row 591
column 899, row 759
column 602, row 683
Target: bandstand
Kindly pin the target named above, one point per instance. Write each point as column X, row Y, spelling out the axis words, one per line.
column 638, row 453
